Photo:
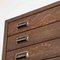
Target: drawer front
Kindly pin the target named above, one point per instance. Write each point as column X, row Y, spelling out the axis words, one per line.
column 33, row 21
column 54, row 58
column 37, row 35
column 39, row 51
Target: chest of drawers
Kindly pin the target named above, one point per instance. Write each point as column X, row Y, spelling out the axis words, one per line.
column 34, row 35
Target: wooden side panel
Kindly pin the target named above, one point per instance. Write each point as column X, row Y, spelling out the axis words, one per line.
column 5, row 42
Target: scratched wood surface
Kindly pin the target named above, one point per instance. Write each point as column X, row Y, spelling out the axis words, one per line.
column 39, row 51
column 35, row 20
column 43, row 31
column 37, row 35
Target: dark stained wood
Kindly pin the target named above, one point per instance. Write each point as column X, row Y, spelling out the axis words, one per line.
column 39, row 51
column 35, row 36
column 36, row 20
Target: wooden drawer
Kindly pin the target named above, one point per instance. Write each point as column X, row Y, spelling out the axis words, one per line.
column 35, row 20
column 37, row 35
column 39, row 51
column 34, row 35
column 54, row 58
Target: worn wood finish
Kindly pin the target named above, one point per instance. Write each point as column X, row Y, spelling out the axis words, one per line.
column 34, row 11
column 43, row 31
column 35, row 36
column 39, row 51
column 54, row 58
column 36, row 20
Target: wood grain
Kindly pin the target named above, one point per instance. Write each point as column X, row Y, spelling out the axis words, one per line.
column 54, row 58
column 36, row 20
column 37, row 35
column 50, row 6
column 43, row 31
column 39, row 51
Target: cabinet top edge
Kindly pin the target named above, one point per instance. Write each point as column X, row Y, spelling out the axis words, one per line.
column 33, row 12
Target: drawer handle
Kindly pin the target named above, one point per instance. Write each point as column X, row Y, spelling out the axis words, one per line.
column 22, row 39
column 22, row 55
column 22, row 24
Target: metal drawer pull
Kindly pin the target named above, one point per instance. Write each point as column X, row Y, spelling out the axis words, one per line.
column 22, row 39
column 22, row 24
column 22, row 55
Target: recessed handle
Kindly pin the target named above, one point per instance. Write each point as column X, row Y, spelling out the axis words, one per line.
column 22, row 55
column 22, row 24
column 22, row 39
